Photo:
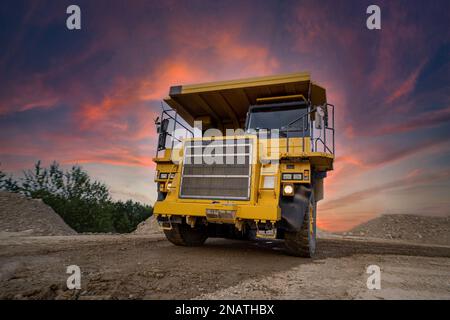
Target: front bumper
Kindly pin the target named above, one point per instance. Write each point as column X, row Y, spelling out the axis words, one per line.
column 198, row 209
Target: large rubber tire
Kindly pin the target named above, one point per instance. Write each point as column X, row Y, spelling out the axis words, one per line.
column 303, row 242
column 182, row 234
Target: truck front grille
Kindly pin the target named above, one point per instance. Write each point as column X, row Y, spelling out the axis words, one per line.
column 217, row 169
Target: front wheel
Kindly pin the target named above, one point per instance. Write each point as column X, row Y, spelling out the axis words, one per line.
column 184, row 235
column 302, row 243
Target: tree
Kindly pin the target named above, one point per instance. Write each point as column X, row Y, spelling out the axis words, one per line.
column 84, row 204
column 7, row 183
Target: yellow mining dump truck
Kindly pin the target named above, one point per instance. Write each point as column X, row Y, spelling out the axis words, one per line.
column 244, row 159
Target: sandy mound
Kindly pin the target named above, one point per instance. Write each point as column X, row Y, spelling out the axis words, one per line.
column 149, row 226
column 421, row 229
column 29, row 217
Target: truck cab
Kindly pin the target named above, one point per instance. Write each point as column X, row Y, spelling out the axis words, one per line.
column 250, row 163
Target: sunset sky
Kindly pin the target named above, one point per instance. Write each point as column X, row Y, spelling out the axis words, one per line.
column 89, row 96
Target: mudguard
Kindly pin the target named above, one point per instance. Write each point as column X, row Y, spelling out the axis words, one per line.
column 293, row 209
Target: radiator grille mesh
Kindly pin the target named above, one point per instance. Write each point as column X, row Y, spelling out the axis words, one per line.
column 218, row 169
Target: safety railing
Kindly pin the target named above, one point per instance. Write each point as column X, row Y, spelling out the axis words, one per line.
column 171, row 116
column 321, row 134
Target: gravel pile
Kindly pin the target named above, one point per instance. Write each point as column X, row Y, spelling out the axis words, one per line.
column 30, row 217
column 421, row 229
column 149, row 226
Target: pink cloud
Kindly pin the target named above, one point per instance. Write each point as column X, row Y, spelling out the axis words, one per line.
column 406, row 87
column 423, row 120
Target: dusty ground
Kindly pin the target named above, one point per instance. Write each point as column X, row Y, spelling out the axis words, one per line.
column 149, row 267
column 36, row 247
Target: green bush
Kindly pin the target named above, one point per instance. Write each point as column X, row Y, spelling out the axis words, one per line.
column 84, row 204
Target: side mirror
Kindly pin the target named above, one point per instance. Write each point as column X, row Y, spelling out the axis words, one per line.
column 163, row 126
column 162, row 141
column 157, row 124
column 318, row 118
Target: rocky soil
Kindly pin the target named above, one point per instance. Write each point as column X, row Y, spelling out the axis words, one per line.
column 148, row 227
column 23, row 216
column 405, row 227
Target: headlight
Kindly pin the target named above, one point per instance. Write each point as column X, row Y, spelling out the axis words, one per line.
column 288, row 189
column 269, row 182
column 287, row 176
column 163, row 175
column 297, row 176
column 172, row 175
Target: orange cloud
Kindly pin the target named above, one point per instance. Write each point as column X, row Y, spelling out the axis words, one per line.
column 132, row 161
column 217, row 55
column 170, row 72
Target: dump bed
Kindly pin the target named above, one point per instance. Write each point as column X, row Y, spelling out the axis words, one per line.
column 226, row 102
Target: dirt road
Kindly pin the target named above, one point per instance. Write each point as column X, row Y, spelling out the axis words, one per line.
column 148, row 267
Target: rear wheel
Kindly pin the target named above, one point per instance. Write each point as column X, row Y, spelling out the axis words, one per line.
column 303, row 242
column 182, row 234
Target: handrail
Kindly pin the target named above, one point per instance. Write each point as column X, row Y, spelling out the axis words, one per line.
column 325, row 128
column 166, row 111
column 166, row 115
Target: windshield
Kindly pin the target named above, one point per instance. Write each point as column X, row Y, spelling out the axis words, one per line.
column 265, row 117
